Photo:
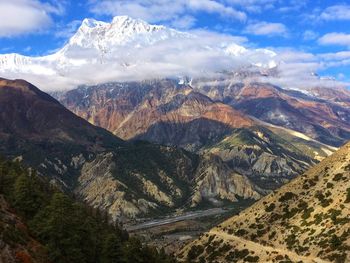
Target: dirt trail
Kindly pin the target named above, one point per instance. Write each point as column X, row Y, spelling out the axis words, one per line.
column 260, row 248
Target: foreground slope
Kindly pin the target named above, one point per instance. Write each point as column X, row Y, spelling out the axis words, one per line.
column 125, row 179
column 307, row 220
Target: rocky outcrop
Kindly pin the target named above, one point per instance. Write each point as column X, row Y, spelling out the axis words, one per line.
column 215, row 182
column 100, row 189
column 207, row 180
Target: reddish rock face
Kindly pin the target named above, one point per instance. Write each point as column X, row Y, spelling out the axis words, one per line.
column 314, row 113
column 318, row 117
column 149, row 110
column 340, row 96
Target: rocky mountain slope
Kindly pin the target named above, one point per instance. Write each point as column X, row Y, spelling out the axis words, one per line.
column 307, row 220
column 181, row 114
column 268, row 157
column 314, row 113
column 126, row 179
column 161, row 111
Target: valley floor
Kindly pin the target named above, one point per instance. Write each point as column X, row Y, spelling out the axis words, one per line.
column 173, row 232
column 170, row 220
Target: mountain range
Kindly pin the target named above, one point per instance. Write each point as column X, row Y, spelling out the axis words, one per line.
column 127, row 179
column 260, row 130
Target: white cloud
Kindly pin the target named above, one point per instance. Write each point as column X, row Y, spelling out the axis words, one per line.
column 259, row 6
column 299, row 76
column 339, row 12
column 334, row 38
column 212, row 6
column 267, row 29
column 293, row 56
column 25, row 16
column 336, row 56
column 254, row 6
column 67, row 30
column 336, row 12
column 337, row 59
column 165, row 10
column 195, row 57
column 184, row 22
column 27, row 49
column 295, row 69
column 341, row 76
column 310, row 35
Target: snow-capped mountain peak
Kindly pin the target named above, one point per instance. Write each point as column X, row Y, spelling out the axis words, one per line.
column 126, row 23
column 129, row 48
column 121, row 31
column 91, row 23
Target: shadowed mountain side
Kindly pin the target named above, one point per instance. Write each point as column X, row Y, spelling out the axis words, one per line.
column 27, row 112
column 192, row 135
column 39, row 130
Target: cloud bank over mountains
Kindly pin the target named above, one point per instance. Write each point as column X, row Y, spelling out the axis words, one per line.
column 128, row 49
column 193, row 49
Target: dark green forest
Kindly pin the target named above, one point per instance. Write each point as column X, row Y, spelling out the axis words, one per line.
column 68, row 230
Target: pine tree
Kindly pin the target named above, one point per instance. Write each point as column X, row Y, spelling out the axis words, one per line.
column 71, row 232
column 27, row 197
column 57, row 225
column 112, row 249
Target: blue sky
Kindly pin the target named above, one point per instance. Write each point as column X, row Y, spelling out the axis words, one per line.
column 316, row 30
